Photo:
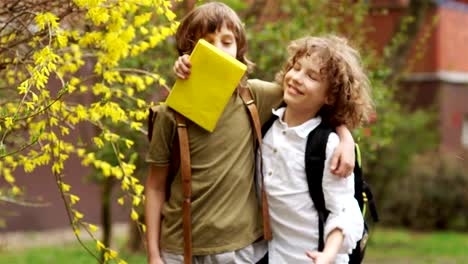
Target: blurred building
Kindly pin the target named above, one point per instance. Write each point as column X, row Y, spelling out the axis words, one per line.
column 434, row 59
column 437, row 62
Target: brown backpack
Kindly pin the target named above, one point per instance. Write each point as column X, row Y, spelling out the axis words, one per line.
column 180, row 158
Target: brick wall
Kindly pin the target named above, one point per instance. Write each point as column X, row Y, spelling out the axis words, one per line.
column 452, row 41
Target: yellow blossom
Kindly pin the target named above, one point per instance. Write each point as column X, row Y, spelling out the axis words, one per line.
column 99, row 245
column 92, row 227
column 65, row 187
column 134, row 215
column 74, row 199
column 78, row 215
column 136, row 200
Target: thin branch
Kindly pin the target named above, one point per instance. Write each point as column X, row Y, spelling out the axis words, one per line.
column 58, row 180
column 143, row 72
column 22, row 203
column 20, row 149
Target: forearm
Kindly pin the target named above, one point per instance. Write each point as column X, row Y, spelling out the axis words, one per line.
column 155, row 192
column 153, row 207
column 344, row 134
column 342, row 163
column 333, row 243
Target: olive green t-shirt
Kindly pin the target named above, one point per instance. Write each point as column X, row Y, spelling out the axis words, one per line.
column 225, row 211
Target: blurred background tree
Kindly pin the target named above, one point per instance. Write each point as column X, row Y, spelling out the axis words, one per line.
column 399, row 134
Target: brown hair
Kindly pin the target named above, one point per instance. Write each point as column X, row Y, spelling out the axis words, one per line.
column 206, row 19
column 348, row 92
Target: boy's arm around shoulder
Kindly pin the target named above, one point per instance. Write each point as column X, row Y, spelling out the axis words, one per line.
column 345, row 213
column 267, row 96
column 343, row 160
column 155, row 193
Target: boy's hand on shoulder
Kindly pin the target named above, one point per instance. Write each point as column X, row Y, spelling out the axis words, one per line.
column 320, row 257
column 182, row 67
column 343, row 159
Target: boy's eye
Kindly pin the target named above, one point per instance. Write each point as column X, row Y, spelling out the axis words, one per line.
column 227, row 41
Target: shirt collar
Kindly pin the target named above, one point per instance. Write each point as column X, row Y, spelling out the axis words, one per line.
column 302, row 130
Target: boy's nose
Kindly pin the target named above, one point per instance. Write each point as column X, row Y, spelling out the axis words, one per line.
column 297, row 77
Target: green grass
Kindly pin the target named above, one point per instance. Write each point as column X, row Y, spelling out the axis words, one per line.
column 385, row 246
column 71, row 253
column 401, row 246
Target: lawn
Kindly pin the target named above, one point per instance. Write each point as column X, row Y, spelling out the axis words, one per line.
column 400, row 246
column 385, row 246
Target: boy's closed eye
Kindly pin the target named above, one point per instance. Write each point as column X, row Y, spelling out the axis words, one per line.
column 297, row 66
column 313, row 76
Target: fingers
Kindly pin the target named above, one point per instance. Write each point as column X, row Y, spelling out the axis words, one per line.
column 312, row 255
column 343, row 169
column 339, row 166
column 335, row 161
column 182, row 67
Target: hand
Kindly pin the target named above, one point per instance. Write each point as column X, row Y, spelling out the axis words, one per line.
column 342, row 162
column 182, row 67
column 319, row 257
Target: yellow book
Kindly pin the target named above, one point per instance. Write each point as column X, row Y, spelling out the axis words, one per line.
column 213, row 79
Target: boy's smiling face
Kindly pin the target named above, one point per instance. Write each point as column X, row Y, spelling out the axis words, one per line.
column 305, row 88
column 223, row 39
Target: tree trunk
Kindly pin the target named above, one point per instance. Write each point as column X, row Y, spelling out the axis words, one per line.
column 106, row 212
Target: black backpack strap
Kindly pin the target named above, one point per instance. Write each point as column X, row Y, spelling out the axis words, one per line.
column 362, row 191
column 315, row 156
column 268, row 125
column 370, row 201
column 358, row 181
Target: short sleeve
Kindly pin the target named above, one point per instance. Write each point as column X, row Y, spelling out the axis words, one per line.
column 267, row 96
column 164, row 128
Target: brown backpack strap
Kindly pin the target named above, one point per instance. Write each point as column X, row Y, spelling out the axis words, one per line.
column 180, row 158
column 186, row 172
column 246, row 96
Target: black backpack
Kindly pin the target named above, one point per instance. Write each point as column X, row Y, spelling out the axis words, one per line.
column 314, row 166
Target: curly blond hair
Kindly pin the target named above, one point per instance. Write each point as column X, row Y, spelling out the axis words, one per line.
column 348, row 94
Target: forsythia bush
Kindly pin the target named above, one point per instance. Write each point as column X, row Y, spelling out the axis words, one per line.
column 43, row 42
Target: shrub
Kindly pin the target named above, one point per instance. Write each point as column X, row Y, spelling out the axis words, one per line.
column 431, row 196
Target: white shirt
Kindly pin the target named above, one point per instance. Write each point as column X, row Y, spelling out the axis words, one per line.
column 294, row 220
